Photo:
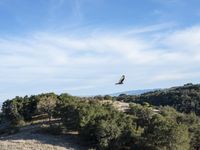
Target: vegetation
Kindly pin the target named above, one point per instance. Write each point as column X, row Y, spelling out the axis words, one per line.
column 46, row 104
column 160, row 120
column 184, row 98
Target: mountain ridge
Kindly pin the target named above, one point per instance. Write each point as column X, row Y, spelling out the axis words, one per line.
column 134, row 92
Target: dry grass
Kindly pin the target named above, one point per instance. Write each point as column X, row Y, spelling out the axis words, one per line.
column 29, row 145
column 121, row 106
column 29, row 139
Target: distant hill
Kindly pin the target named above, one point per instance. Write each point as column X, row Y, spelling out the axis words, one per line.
column 134, row 92
column 184, row 98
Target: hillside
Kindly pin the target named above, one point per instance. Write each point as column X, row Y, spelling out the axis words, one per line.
column 184, row 98
column 61, row 122
column 32, row 136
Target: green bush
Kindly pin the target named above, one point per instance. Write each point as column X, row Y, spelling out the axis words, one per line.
column 195, row 138
column 162, row 133
column 111, row 130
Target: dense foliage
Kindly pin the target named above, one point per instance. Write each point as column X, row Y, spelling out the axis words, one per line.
column 184, row 98
column 149, row 123
column 19, row 109
column 140, row 128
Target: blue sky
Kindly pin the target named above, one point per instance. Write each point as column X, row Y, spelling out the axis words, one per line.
column 83, row 46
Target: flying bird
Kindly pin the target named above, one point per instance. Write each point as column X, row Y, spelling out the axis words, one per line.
column 121, row 80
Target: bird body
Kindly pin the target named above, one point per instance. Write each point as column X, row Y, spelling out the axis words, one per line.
column 121, row 80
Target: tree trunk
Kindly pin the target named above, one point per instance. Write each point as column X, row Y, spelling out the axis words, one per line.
column 50, row 117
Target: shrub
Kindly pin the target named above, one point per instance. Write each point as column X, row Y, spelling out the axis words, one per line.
column 162, row 133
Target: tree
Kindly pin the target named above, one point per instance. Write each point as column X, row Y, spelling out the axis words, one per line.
column 142, row 113
column 29, row 107
column 107, row 97
column 99, row 97
column 70, row 117
column 116, row 130
column 184, row 98
column 165, row 134
column 47, row 103
column 195, row 138
column 67, row 109
column 12, row 110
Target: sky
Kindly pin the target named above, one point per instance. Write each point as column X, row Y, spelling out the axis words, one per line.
column 82, row 47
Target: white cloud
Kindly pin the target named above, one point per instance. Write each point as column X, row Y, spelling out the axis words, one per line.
column 93, row 62
column 187, row 39
column 174, row 76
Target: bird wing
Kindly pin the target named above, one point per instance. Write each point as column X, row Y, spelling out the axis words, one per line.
column 121, row 79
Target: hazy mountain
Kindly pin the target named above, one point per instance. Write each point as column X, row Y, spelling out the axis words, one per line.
column 133, row 92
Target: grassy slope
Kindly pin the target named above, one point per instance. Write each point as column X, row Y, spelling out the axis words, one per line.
column 29, row 139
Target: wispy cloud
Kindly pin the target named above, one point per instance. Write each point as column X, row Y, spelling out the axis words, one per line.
column 92, row 63
column 77, row 9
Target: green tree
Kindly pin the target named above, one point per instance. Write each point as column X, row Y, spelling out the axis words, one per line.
column 165, row 134
column 47, row 103
column 195, row 138
column 108, row 97
column 67, row 109
column 12, row 110
column 142, row 113
column 116, row 130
